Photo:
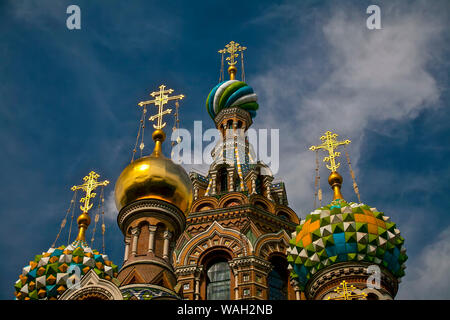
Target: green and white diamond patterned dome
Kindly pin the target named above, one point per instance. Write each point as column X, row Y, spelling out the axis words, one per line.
column 48, row 276
column 341, row 232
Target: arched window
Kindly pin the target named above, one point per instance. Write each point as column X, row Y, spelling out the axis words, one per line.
column 237, row 185
column 223, row 176
column 283, row 215
column 142, row 244
column 259, row 185
column 218, row 280
column 372, row 296
column 261, row 205
column 278, row 279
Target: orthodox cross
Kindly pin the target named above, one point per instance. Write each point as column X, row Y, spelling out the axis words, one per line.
column 347, row 292
column 330, row 144
column 89, row 185
column 232, row 48
column 161, row 98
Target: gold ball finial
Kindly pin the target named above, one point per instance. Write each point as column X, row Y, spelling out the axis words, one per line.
column 335, row 181
column 158, row 135
column 232, row 72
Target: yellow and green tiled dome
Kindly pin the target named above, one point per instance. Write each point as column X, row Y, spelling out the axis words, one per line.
column 47, row 276
column 341, row 232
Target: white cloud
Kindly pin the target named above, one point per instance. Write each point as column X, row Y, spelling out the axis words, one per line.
column 110, row 207
column 362, row 79
column 427, row 275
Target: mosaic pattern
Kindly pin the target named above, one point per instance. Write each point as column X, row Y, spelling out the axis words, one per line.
column 145, row 293
column 343, row 232
column 47, row 276
column 231, row 93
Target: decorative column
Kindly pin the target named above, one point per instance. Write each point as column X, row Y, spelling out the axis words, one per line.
column 295, row 285
column 195, row 192
column 135, row 232
column 253, row 180
column 213, row 186
column 280, row 197
column 127, row 248
column 197, row 274
column 230, row 179
column 267, row 182
column 167, row 237
column 236, row 284
column 151, row 238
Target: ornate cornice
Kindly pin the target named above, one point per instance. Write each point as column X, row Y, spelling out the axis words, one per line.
column 250, row 261
column 238, row 112
column 164, row 264
column 348, row 269
column 237, row 212
column 156, row 207
column 189, row 269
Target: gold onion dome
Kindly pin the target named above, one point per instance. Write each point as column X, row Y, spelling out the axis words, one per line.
column 154, row 177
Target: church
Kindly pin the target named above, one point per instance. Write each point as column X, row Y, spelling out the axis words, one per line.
column 226, row 235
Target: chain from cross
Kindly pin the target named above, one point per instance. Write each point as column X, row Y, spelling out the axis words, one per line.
column 232, row 48
column 89, row 185
column 347, row 292
column 330, row 144
column 161, row 98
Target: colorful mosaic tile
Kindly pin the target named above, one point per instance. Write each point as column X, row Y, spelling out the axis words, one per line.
column 47, row 276
column 343, row 232
column 145, row 293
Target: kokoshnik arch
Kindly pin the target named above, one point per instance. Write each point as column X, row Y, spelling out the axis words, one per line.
column 229, row 234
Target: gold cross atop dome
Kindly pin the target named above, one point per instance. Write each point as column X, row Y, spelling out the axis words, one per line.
column 232, row 48
column 347, row 292
column 161, row 98
column 330, row 144
column 89, row 185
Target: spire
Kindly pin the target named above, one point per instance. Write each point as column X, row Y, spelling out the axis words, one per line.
column 89, row 185
column 231, row 49
column 161, row 98
column 330, row 144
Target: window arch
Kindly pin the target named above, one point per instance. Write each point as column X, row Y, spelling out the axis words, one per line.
column 218, row 280
column 283, row 215
column 261, row 205
column 231, row 203
column 277, row 279
column 223, row 176
column 142, row 243
column 372, row 296
column 204, row 207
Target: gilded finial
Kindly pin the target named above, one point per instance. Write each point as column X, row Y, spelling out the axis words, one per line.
column 232, row 48
column 330, row 144
column 89, row 185
column 161, row 98
column 346, row 292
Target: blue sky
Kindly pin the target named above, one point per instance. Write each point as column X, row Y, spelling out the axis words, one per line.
column 68, row 106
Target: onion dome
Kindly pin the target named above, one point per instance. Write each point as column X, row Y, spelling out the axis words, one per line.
column 341, row 232
column 48, row 276
column 231, row 93
column 154, row 177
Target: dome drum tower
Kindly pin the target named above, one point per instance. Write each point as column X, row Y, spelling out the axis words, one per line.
column 152, row 194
